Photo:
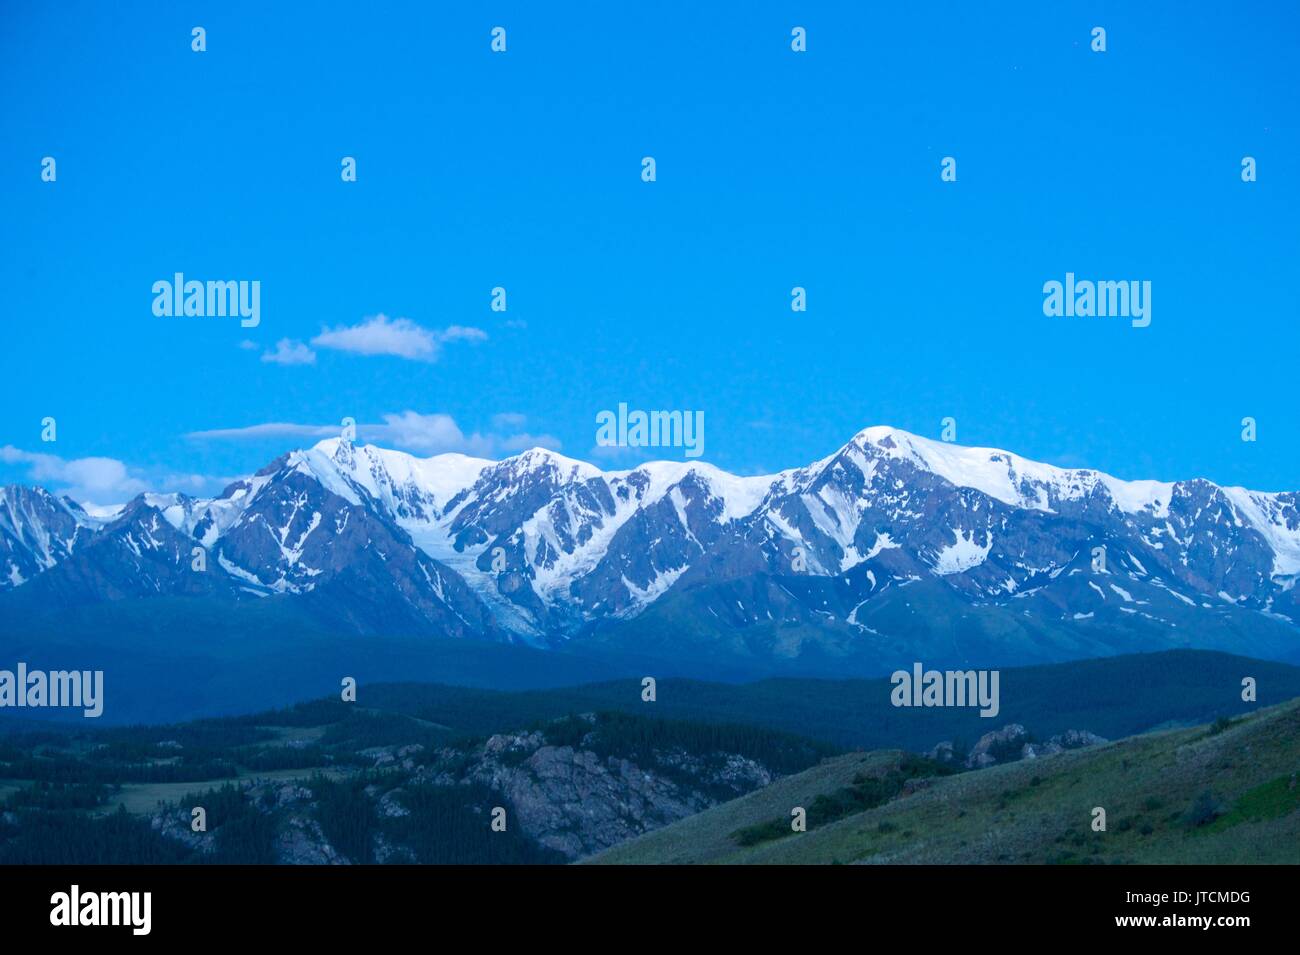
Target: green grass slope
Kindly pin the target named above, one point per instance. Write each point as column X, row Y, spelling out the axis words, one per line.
column 1208, row 794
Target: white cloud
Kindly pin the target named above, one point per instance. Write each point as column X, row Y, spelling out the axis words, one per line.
column 101, row 481
column 423, row 434
column 288, row 352
column 462, row 333
column 508, row 419
column 401, row 337
column 271, row 429
column 429, row 434
column 96, row 478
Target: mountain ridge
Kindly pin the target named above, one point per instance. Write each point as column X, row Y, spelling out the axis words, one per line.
column 542, row 549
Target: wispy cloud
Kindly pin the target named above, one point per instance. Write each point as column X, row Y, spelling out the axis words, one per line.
column 622, row 455
column 289, row 352
column 270, row 429
column 412, row 431
column 399, row 337
column 508, row 419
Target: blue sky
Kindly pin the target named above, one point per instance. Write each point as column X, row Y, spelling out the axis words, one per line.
column 522, row 170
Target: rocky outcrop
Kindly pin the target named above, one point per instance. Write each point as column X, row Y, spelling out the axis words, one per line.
column 1070, row 739
column 576, row 801
column 997, row 746
column 301, row 842
column 943, row 753
column 1013, row 742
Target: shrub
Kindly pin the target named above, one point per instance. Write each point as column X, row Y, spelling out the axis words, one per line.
column 1205, row 809
column 761, row 832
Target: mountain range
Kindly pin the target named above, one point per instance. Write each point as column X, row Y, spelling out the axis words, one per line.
column 894, row 548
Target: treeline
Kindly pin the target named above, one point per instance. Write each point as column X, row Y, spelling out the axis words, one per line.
column 55, row 796
column 274, row 758
column 73, row 838
column 451, row 825
column 209, row 734
column 243, row 832
column 310, row 713
column 644, row 739
column 362, row 729
column 444, row 825
column 67, row 768
column 346, row 816
column 44, row 828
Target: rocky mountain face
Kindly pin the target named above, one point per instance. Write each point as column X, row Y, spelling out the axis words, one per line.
column 574, row 797
column 37, row 531
column 567, row 789
column 281, row 532
column 893, row 544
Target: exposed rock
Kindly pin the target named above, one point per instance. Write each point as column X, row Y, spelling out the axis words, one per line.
column 390, row 805
column 301, row 842
column 387, row 853
column 1035, row 750
column 1012, row 743
column 289, row 793
column 943, row 752
column 177, row 824
column 587, row 548
column 577, row 802
column 1070, row 739
column 986, row 751
column 567, row 789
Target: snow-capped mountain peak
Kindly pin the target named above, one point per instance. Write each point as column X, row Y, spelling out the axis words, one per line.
column 544, row 546
column 37, row 531
column 1008, row 477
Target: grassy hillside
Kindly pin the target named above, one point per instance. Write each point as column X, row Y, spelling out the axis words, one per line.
column 1222, row 793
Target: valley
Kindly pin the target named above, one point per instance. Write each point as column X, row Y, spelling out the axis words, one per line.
column 416, row 773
